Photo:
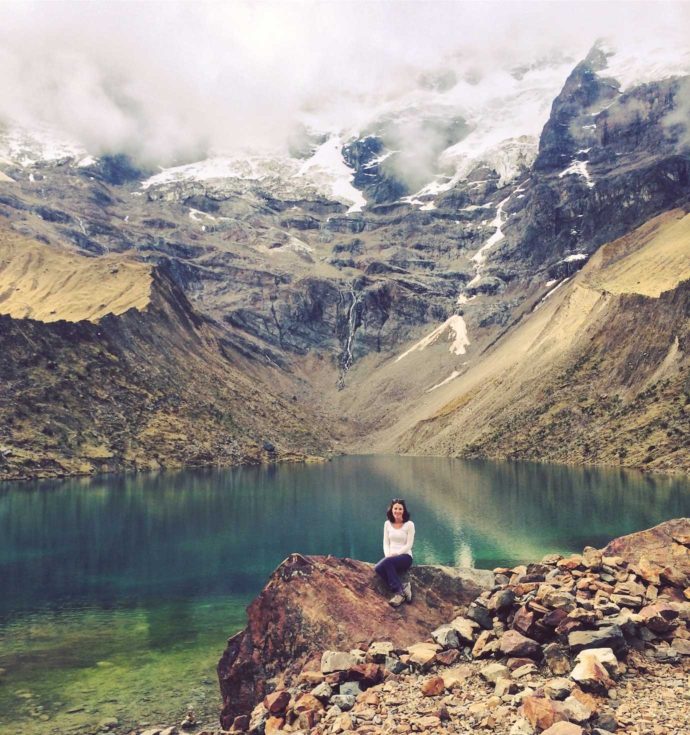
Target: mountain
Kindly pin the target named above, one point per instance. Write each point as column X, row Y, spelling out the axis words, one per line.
column 452, row 278
column 106, row 367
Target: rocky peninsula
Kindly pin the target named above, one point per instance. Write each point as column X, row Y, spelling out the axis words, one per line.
column 594, row 643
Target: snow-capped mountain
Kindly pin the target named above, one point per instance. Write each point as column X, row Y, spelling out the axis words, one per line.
column 374, row 268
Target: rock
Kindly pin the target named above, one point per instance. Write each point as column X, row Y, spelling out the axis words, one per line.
column 466, row 629
column 430, row 722
column 446, row 636
column 513, row 643
column 554, row 618
column 456, row 676
column 557, row 659
column 336, row 661
column 485, row 645
column 339, row 602
column 501, row 600
column 344, row 701
column 367, row 674
column 558, row 688
column 239, row 724
column 350, row 689
column 607, row 637
column 521, row 727
column 379, row 651
column 578, row 711
column 495, row 671
column 522, row 671
column 273, row 724
column 524, row 621
column 659, row 617
column 480, row 615
column 423, row 654
column 541, row 713
column 433, row 687
column 323, row 692
column 108, row 724
column 560, row 600
column 657, row 546
column 277, row 701
column 448, row 658
column 504, row 687
column 572, row 562
column 592, row 558
column 342, row 723
column 682, row 646
column 606, row 721
column 591, row 675
column 564, row 728
column 394, row 665
column 605, row 656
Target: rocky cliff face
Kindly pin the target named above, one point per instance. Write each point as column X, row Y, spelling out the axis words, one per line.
column 153, row 386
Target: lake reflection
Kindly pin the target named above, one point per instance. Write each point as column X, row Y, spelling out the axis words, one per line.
column 119, row 592
column 176, row 536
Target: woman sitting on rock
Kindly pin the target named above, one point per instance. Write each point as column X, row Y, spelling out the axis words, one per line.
column 398, row 537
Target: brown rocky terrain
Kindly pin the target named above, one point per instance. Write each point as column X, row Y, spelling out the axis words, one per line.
column 106, row 366
column 593, row 643
column 598, row 372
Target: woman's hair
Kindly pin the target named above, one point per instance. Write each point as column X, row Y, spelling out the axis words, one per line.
column 389, row 512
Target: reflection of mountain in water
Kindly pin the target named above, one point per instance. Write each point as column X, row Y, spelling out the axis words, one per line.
column 520, row 510
column 172, row 537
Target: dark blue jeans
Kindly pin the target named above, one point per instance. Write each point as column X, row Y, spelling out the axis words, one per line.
column 390, row 567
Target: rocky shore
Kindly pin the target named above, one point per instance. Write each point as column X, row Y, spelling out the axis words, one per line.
column 594, row 643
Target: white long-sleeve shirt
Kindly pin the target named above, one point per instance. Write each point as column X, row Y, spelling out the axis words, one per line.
column 398, row 540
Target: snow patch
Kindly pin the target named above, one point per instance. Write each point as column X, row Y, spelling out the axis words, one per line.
column 645, row 59
column 578, row 168
column 452, row 376
column 456, row 329
column 575, row 257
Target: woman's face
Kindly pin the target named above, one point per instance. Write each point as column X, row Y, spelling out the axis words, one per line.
column 398, row 511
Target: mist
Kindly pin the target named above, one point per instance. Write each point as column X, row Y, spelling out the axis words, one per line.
column 170, row 82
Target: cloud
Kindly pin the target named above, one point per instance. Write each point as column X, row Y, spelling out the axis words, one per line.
column 166, row 81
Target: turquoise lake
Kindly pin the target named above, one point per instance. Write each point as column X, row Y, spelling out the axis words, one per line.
column 118, row 593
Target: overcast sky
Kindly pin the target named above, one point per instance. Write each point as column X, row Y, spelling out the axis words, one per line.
column 167, row 79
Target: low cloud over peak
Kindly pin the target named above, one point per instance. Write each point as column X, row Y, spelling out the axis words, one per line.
column 169, row 81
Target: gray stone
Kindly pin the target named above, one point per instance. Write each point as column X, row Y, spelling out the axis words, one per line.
column 480, row 615
column 394, row 665
column 446, row 636
column 323, row 691
column 350, row 688
column 336, row 661
column 494, row 672
column 344, row 701
column 606, row 637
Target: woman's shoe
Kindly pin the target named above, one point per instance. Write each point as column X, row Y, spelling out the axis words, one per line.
column 407, row 591
column 396, row 600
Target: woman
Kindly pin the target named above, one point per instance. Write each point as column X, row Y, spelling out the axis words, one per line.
column 398, row 537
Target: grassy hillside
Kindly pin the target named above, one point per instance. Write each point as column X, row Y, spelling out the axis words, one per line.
column 598, row 372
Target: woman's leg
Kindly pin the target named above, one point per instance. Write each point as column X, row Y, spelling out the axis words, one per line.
column 389, row 568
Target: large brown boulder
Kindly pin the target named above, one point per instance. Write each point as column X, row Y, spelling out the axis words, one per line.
column 664, row 549
column 315, row 603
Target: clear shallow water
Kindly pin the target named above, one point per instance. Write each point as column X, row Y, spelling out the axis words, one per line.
column 118, row 593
